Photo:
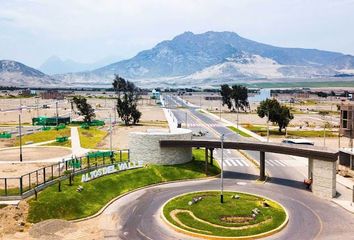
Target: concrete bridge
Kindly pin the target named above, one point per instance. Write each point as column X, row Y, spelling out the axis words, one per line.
column 321, row 162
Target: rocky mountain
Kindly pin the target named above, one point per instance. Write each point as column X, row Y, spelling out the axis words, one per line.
column 219, row 56
column 56, row 65
column 13, row 73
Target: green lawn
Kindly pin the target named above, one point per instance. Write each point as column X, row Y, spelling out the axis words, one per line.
column 239, row 210
column 70, row 204
column 91, row 137
column 262, row 131
column 43, row 136
column 60, row 144
column 238, row 131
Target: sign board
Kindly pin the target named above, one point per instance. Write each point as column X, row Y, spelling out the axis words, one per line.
column 117, row 167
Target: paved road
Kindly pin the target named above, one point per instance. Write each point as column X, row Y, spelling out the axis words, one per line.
column 310, row 217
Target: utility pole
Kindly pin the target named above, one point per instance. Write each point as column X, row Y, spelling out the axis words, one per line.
column 220, row 110
column 20, row 135
column 268, row 126
column 222, row 169
column 37, row 107
column 57, row 113
column 186, row 120
column 110, row 134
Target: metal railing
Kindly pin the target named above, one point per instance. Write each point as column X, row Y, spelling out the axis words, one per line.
column 32, row 182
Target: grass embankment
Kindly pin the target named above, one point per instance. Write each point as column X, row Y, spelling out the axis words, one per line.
column 70, row 204
column 262, row 131
column 44, row 136
column 232, row 213
column 238, row 131
column 91, row 137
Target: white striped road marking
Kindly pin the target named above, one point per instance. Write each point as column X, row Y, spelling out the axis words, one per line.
column 244, row 162
column 228, row 151
column 279, row 162
column 233, row 162
column 226, row 162
column 268, row 162
column 239, row 162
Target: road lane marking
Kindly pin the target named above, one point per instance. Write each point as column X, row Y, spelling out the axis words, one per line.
column 279, row 162
column 269, row 163
column 244, row 162
column 228, row 163
column 239, row 162
column 233, row 162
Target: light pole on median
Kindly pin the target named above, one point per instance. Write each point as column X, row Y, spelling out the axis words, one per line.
column 222, row 169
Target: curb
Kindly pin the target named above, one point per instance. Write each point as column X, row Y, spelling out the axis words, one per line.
column 213, row 237
column 138, row 189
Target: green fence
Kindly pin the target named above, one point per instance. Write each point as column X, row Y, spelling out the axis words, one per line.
column 61, row 139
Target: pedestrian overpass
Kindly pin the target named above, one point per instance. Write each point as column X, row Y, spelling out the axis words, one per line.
column 321, row 162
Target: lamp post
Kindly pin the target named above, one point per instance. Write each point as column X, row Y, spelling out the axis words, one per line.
column 56, row 110
column 222, row 169
column 110, row 134
column 268, row 126
column 20, row 135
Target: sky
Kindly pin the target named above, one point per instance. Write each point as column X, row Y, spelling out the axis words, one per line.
column 90, row 30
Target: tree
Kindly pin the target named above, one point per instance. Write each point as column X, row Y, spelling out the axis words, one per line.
column 234, row 97
column 127, row 99
column 226, row 92
column 275, row 112
column 85, row 109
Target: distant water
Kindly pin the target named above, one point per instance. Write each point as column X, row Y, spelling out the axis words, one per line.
column 263, row 94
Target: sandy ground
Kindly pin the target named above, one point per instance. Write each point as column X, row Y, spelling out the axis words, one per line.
column 152, row 117
column 120, row 135
column 55, row 229
column 310, row 120
column 33, row 153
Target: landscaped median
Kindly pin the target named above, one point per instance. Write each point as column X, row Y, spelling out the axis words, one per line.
column 240, row 216
column 71, row 204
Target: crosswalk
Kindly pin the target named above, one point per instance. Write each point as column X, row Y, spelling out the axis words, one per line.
column 236, row 162
column 239, row 162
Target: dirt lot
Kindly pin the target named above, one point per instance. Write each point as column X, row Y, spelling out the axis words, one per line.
column 53, row 229
column 33, row 153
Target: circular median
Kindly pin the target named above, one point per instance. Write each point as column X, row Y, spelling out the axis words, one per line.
column 241, row 216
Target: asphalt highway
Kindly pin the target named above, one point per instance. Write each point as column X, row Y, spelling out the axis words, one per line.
column 310, row 217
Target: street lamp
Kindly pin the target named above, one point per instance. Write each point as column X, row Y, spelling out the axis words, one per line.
column 222, row 169
column 20, row 135
column 268, row 126
column 57, row 113
column 110, row 134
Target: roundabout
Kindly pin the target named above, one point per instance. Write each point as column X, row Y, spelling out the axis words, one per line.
column 241, row 216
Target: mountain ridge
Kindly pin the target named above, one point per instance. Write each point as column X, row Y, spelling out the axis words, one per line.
column 188, row 53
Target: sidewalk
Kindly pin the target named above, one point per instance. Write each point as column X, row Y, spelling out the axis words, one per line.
column 76, row 148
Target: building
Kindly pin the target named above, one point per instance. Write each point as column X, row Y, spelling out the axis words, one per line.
column 52, row 94
column 347, row 119
column 346, row 155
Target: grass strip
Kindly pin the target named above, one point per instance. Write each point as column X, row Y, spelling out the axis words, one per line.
column 238, row 131
column 70, row 204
